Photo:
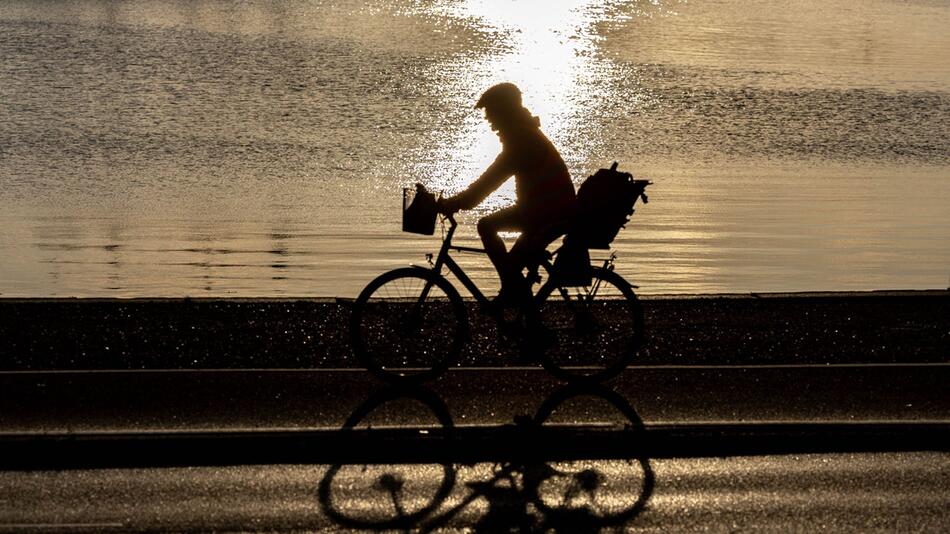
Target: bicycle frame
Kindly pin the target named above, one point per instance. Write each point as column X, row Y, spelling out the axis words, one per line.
column 445, row 260
column 566, row 312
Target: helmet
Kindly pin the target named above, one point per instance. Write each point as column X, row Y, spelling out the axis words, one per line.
column 503, row 96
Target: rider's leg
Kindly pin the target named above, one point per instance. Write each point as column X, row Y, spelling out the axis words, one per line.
column 529, row 248
column 528, row 251
column 508, row 219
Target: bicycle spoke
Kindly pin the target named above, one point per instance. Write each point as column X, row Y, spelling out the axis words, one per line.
column 594, row 330
column 405, row 324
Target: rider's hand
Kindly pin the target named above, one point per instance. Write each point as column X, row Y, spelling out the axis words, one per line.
column 446, row 206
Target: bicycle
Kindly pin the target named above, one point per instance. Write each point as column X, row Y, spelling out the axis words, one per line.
column 410, row 324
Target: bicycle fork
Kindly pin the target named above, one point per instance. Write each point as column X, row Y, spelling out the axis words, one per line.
column 415, row 316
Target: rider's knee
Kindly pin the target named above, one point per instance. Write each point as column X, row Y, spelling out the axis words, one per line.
column 485, row 227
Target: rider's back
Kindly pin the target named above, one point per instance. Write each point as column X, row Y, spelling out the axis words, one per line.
column 542, row 181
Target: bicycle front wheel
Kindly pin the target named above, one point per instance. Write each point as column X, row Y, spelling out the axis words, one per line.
column 594, row 331
column 408, row 325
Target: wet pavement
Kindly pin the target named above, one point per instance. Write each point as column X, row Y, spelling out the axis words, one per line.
column 892, row 492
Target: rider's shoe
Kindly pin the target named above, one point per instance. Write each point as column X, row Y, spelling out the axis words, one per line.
column 512, row 295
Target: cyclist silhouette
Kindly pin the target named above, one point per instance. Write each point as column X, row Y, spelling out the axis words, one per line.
column 545, row 203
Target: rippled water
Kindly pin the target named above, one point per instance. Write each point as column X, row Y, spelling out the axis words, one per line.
column 259, row 148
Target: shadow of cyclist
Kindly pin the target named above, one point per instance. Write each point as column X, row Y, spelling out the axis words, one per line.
column 525, row 493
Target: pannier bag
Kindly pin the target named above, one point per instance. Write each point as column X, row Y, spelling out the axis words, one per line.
column 418, row 210
column 605, row 202
column 572, row 265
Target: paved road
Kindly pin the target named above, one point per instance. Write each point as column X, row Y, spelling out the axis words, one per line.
column 787, row 408
column 181, row 418
column 805, row 493
column 77, row 401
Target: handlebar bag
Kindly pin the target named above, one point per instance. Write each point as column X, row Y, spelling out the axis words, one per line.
column 419, row 216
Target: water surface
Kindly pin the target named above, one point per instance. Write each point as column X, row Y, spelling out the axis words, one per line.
column 259, row 148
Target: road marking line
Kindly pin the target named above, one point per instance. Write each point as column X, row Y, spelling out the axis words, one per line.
column 29, row 526
column 632, row 368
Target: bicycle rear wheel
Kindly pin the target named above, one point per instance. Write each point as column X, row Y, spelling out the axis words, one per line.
column 408, row 325
column 594, row 331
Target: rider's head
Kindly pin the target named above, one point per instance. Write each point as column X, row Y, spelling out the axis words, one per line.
column 502, row 105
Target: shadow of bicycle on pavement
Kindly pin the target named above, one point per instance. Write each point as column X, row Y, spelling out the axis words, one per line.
column 540, row 473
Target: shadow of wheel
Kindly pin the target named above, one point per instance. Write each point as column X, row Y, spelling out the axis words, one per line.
column 566, row 493
column 388, row 485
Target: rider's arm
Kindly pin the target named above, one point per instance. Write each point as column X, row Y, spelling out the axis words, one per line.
column 495, row 175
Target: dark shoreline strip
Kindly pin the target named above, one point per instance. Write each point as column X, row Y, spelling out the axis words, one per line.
column 878, row 327
column 337, row 300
